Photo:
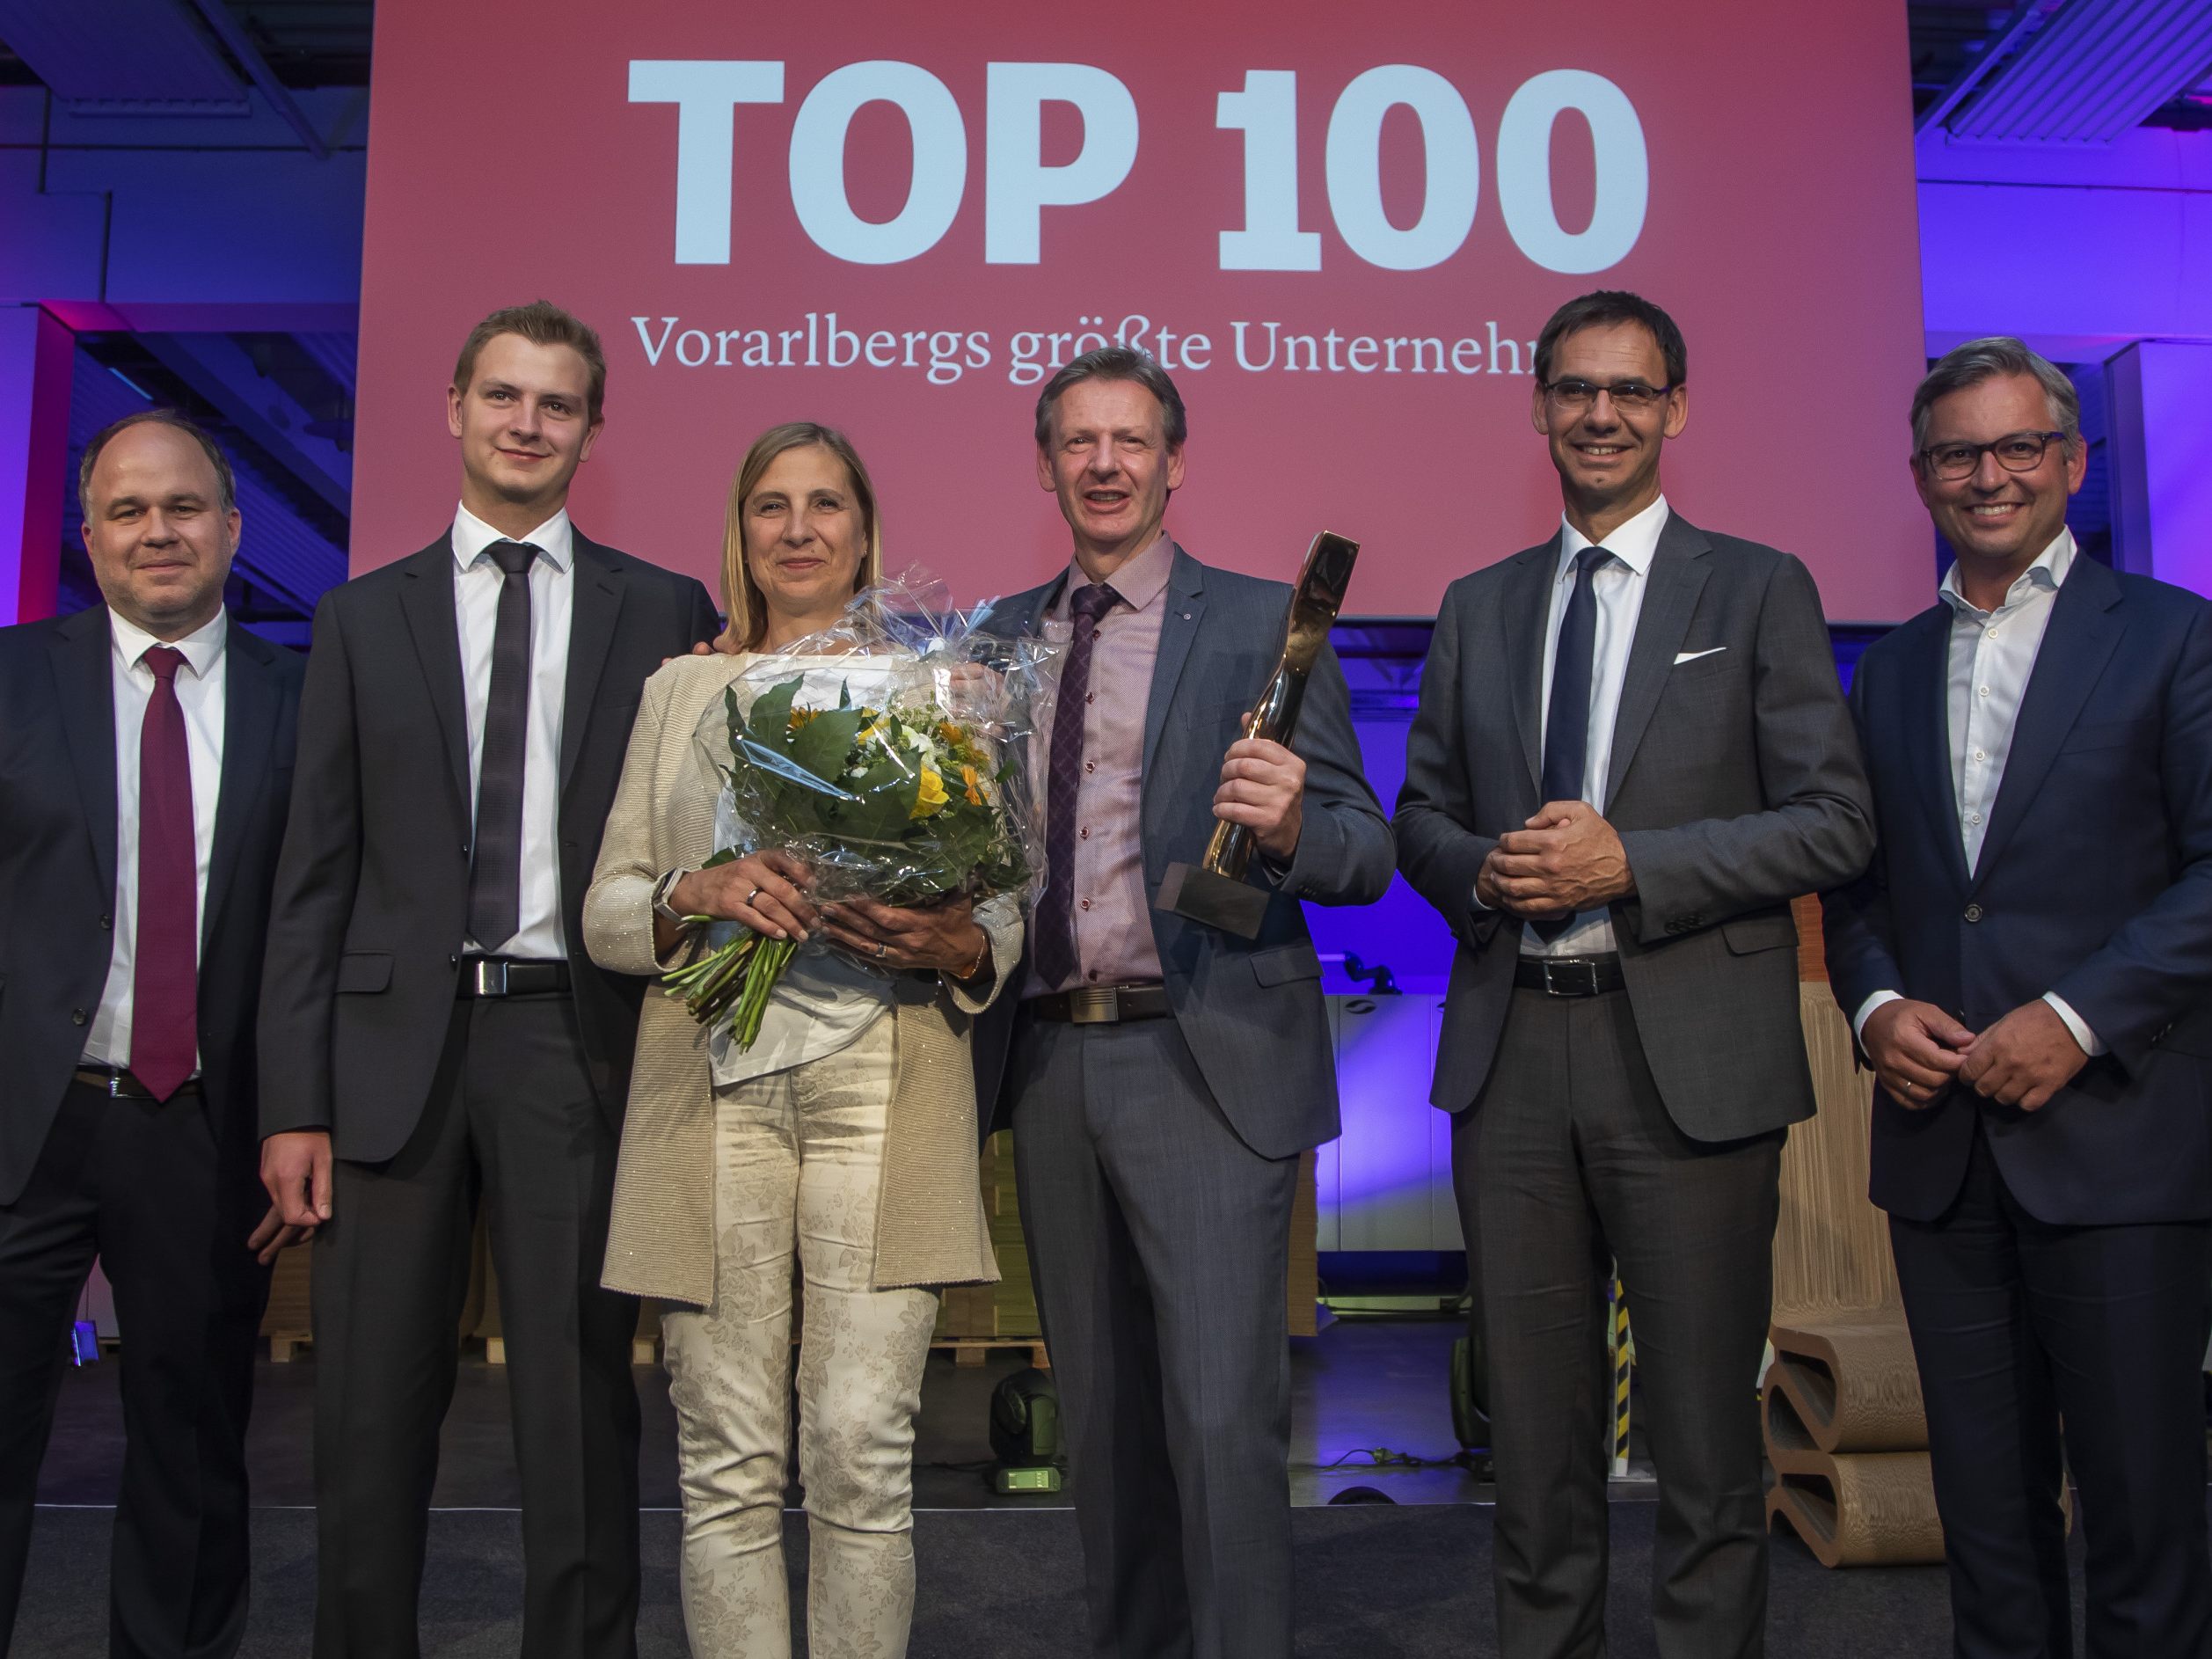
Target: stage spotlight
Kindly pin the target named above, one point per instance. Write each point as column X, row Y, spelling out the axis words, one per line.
column 1025, row 1434
column 1363, row 1495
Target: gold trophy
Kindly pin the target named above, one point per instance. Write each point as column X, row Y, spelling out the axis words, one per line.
column 1215, row 891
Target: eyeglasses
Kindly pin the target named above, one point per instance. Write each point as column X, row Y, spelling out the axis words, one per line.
column 1577, row 395
column 2015, row 452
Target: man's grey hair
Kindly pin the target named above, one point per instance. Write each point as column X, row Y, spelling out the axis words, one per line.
column 226, row 482
column 1116, row 362
column 1980, row 359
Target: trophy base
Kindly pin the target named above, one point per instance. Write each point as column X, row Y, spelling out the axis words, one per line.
column 1233, row 907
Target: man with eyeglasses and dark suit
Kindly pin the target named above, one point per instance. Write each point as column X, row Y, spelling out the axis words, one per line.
column 1631, row 754
column 2028, row 966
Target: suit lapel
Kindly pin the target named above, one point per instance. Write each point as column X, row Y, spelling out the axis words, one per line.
column 1526, row 613
column 82, row 649
column 1186, row 603
column 250, row 704
column 427, row 598
column 2084, row 630
column 595, row 604
column 1927, row 734
column 1677, row 577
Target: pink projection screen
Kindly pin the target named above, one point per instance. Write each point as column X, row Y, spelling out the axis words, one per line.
column 1340, row 227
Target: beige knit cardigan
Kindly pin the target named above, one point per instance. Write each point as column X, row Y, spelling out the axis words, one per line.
column 930, row 1228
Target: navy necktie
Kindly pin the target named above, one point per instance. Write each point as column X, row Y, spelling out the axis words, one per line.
column 1052, row 932
column 495, row 874
column 1566, row 723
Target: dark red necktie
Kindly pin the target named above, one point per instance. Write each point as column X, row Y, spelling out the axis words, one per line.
column 1052, row 933
column 165, row 986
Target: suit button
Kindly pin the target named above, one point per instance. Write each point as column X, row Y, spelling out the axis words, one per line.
column 1972, row 912
column 108, row 922
column 77, row 1017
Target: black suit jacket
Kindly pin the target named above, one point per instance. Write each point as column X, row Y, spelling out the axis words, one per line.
column 57, row 870
column 2094, row 882
column 372, row 892
column 1251, row 1010
column 1734, row 782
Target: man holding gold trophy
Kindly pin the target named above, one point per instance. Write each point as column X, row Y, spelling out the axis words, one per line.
column 1167, row 1058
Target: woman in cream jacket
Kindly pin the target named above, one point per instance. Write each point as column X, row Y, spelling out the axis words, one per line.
column 846, row 1137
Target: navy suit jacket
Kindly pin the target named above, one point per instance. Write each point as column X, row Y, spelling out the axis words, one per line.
column 2094, row 882
column 1251, row 1010
column 57, row 872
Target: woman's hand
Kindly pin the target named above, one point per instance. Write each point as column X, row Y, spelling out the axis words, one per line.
column 942, row 936
column 766, row 891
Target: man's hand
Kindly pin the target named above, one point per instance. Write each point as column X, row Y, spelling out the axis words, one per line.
column 1568, row 858
column 724, row 642
column 1263, row 786
column 272, row 1238
column 295, row 1167
column 1914, row 1048
column 2024, row 1059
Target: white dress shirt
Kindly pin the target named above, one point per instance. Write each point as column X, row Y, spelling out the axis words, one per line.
column 1992, row 656
column 1617, row 586
column 199, row 693
column 477, row 581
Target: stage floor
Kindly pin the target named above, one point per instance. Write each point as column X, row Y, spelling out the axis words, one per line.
column 1410, row 1581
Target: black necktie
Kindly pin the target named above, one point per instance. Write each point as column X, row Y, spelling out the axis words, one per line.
column 1567, row 722
column 1052, row 933
column 495, row 874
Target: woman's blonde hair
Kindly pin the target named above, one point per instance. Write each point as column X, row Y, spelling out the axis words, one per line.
column 741, row 594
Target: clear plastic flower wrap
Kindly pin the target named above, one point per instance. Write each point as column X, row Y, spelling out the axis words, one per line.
column 886, row 753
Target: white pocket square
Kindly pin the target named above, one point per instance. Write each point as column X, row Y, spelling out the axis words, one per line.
column 1691, row 656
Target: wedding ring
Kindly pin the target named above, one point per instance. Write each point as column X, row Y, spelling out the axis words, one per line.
column 754, row 894
column 881, row 946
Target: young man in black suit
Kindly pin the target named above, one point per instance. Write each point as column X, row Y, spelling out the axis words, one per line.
column 145, row 763
column 432, row 1031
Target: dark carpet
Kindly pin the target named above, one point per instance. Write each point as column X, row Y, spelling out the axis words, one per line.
column 1373, row 1580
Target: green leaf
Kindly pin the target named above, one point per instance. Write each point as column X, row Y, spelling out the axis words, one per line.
column 771, row 710
column 824, row 744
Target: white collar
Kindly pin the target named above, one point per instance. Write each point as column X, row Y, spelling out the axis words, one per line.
column 1635, row 543
column 202, row 647
column 2049, row 571
column 555, row 538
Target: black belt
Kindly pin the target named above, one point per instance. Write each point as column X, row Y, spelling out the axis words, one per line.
column 119, row 1083
column 1102, row 1005
column 1569, row 976
column 504, row 977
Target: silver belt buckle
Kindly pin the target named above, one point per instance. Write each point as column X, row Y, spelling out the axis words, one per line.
column 114, row 1083
column 491, row 976
column 1094, row 1005
column 1565, row 984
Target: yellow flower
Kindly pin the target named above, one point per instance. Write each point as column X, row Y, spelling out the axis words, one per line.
column 931, row 797
column 967, row 777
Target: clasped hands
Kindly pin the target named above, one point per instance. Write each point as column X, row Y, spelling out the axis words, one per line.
column 1918, row 1051
column 769, row 893
column 1567, row 859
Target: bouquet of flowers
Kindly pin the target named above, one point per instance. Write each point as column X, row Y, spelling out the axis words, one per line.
column 885, row 755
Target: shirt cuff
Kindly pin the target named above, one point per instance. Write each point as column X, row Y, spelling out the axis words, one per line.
column 2075, row 1023
column 1475, row 893
column 1858, row 1019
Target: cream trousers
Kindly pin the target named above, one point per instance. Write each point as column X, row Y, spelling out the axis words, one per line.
column 799, row 1157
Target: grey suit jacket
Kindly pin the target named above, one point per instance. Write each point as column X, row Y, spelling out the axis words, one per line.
column 1735, row 782
column 1251, row 1010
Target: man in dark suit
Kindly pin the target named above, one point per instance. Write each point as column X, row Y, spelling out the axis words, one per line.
column 2028, row 966
column 1162, row 1078
column 431, row 1029
column 145, row 764
column 1631, row 753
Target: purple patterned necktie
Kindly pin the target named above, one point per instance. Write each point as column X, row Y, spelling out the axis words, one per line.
column 1053, row 931
column 164, row 1004
column 1566, row 727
